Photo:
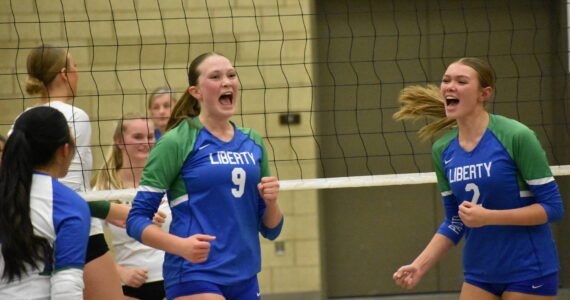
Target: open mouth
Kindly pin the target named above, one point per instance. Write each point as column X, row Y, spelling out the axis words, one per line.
column 451, row 101
column 227, row 99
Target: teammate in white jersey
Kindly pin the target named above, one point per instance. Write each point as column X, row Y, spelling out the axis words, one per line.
column 497, row 188
column 139, row 266
column 44, row 225
column 53, row 76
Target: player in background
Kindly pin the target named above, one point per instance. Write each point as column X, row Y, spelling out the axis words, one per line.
column 53, row 76
column 497, row 189
column 138, row 265
column 160, row 104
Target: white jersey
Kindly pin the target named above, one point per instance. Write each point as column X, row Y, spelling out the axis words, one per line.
column 130, row 253
column 96, row 227
column 61, row 216
column 79, row 176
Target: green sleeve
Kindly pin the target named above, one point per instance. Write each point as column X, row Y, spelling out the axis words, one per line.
column 264, row 161
column 167, row 157
column 529, row 156
column 256, row 137
column 523, row 146
column 99, row 209
column 438, row 147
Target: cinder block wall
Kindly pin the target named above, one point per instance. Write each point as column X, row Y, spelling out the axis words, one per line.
column 125, row 49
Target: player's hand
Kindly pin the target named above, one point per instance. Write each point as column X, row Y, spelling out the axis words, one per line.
column 133, row 277
column 407, row 276
column 472, row 215
column 197, row 247
column 159, row 218
column 269, row 189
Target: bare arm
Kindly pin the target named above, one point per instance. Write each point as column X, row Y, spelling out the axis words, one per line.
column 118, row 212
column 194, row 248
column 269, row 191
column 410, row 275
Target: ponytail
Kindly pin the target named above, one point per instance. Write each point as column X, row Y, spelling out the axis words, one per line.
column 36, row 136
column 186, row 106
column 419, row 102
column 107, row 177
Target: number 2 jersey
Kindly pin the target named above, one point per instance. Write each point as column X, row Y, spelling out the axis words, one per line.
column 212, row 189
column 508, row 169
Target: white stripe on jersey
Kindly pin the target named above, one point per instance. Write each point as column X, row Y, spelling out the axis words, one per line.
column 446, row 193
column 540, row 181
column 524, row 194
column 146, row 188
column 179, row 200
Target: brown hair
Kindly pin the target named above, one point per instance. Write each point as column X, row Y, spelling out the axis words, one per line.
column 159, row 92
column 483, row 69
column 108, row 177
column 418, row 101
column 44, row 63
column 187, row 105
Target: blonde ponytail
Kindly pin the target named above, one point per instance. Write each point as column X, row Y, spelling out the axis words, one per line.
column 419, row 102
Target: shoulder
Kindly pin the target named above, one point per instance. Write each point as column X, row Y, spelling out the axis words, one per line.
column 442, row 143
column 506, row 125
column 70, row 111
column 512, row 133
column 63, row 200
column 180, row 134
column 177, row 142
column 251, row 133
column 66, row 195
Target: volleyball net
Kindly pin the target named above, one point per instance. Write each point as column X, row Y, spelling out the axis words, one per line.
column 319, row 79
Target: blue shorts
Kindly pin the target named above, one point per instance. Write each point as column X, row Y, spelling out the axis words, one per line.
column 243, row 290
column 544, row 286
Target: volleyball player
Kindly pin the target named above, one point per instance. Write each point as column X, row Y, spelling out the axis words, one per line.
column 139, row 266
column 498, row 192
column 220, row 193
column 44, row 225
column 53, row 75
column 160, row 104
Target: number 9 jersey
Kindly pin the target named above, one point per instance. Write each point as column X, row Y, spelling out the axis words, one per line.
column 507, row 169
column 212, row 189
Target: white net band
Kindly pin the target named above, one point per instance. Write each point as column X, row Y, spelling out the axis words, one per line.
column 321, row 183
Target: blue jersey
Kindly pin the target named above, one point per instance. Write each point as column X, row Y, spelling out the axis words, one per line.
column 508, row 169
column 212, row 189
column 157, row 134
column 62, row 217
